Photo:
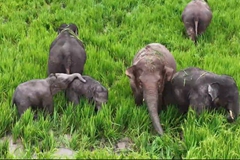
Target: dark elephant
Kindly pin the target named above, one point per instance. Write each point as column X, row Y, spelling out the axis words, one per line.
column 91, row 90
column 39, row 93
column 196, row 17
column 67, row 52
column 202, row 89
column 152, row 66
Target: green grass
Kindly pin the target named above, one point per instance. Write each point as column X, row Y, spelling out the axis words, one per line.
column 113, row 31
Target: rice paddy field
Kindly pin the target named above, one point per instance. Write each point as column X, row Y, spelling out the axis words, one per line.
column 113, row 32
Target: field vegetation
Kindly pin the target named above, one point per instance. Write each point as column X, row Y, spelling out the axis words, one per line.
column 113, row 31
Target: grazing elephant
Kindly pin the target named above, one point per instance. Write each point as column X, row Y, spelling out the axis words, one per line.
column 92, row 90
column 152, row 66
column 67, row 52
column 202, row 89
column 39, row 93
column 196, row 17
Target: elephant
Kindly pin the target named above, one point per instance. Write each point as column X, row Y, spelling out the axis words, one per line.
column 200, row 89
column 38, row 93
column 196, row 17
column 152, row 66
column 92, row 90
column 67, row 53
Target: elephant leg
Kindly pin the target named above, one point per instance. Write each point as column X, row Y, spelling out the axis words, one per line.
column 48, row 105
column 54, row 66
column 182, row 109
column 22, row 107
column 72, row 96
column 138, row 99
column 197, row 104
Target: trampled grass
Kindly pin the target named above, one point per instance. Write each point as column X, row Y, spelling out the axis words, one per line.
column 113, row 31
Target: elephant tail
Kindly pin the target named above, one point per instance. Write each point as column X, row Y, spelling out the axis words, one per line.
column 196, row 20
column 67, row 64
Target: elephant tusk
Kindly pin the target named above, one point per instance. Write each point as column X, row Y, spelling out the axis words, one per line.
column 231, row 114
column 143, row 100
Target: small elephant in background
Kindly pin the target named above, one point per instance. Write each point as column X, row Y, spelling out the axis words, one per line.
column 91, row 90
column 202, row 89
column 67, row 52
column 38, row 93
column 196, row 17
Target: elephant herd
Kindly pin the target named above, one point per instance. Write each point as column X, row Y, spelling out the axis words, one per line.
column 153, row 76
column 66, row 62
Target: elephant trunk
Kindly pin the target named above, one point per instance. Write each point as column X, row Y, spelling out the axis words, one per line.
column 233, row 109
column 76, row 75
column 151, row 98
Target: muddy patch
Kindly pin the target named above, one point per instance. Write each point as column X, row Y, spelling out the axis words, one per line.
column 123, row 144
column 14, row 148
column 64, row 153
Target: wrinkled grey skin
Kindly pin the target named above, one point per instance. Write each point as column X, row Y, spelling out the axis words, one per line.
column 152, row 66
column 196, row 17
column 91, row 90
column 67, row 52
column 39, row 93
column 202, row 90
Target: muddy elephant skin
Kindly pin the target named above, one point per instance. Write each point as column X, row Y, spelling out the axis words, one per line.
column 152, row 66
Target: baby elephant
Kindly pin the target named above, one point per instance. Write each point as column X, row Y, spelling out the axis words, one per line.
column 201, row 89
column 92, row 90
column 196, row 17
column 39, row 93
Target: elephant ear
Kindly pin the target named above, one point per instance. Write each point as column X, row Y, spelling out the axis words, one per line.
column 130, row 72
column 213, row 90
column 74, row 28
column 168, row 72
column 61, row 27
column 54, row 88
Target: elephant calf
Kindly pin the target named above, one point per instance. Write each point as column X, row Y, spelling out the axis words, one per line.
column 152, row 67
column 92, row 90
column 196, row 17
column 201, row 89
column 39, row 93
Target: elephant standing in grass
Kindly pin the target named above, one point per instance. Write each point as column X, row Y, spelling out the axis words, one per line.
column 201, row 89
column 152, row 66
column 196, row 17
column 91, row 90
column 39, row 93
column 67, row 52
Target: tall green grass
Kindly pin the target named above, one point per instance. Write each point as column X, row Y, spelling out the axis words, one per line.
column 112, row 32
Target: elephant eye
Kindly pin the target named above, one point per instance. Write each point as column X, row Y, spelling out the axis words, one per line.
column 140, row 83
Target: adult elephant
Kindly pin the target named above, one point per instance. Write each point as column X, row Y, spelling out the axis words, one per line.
column 199, row 89
column 67, row 52
column 152, row 66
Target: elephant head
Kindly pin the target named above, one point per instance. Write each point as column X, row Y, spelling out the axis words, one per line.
column 71, row 27
column 225, row 93
column 147, row 78
column 100, row 96
column 60, row 81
